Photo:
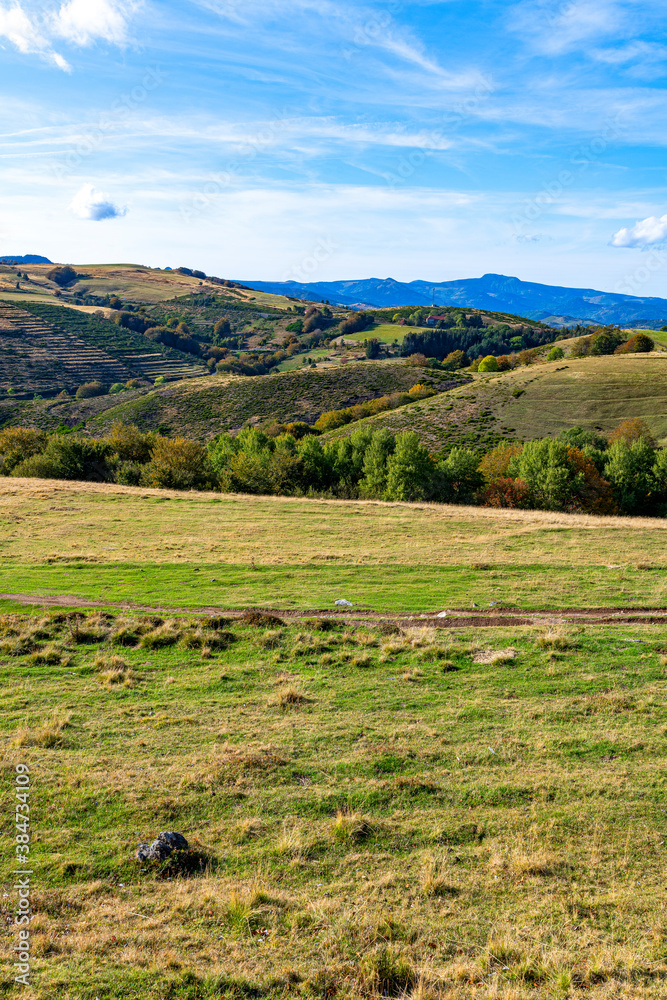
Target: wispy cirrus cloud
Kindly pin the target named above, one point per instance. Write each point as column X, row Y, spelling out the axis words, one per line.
column 357, row 29
column 36, row 28
column 555, row 29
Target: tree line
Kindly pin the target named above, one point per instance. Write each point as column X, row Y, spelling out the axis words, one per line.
column 578, row 471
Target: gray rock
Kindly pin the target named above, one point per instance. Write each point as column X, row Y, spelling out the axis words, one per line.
column 164, row 844
column 342, row 603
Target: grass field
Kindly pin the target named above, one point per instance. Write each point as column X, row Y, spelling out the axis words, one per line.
column 540, row 400
column 386, row 333
column 373, row 810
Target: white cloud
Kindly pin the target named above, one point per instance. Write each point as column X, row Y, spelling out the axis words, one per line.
column 83, row 21
column 646, row 233
column 88, row 203
column 33, row 28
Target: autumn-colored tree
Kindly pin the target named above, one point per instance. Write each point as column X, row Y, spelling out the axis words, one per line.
column 495, row 463
column 639, row 343
column 507, row 492
column 633, row 429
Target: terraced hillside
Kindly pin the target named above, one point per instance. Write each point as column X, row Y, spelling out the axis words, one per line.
column 201, row 408
column 36, row 357
column 537, row 401
column 45, row 349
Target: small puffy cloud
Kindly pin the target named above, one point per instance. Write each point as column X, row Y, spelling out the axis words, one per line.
column 88, row 203
column 646, row 233
column 34, row 30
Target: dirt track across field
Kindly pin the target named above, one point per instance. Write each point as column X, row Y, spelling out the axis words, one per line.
column 449, row 618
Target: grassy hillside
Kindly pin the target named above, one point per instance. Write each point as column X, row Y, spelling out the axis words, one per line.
column 379, row 806
column 203, row 407
column 539, row 400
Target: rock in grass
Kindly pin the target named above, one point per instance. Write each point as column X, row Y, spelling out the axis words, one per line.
column 164, row 844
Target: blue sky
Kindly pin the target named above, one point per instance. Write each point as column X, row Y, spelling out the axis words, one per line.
column 324, row 139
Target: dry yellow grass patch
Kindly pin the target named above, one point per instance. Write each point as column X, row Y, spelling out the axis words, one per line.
column 491, row 656
column 438, row 534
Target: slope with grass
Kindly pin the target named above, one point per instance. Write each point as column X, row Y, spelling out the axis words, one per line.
column 201, row 408
column 538, row 401
column 373, row 809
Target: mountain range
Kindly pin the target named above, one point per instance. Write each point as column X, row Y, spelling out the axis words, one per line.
column 553, row 304
column 28, row 258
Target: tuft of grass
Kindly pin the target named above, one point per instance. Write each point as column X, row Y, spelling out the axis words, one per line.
column 270, row 639
column 52, row 655
column 556, row 639
column 352, row 827
column 386, row 973
column 291, row 697
column 362, row 660
column 159, row 638
column 114, row 672
column 434, row 879
column 48, row 736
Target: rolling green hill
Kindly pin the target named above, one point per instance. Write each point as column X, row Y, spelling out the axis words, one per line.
column 201, row 408
column 538, row 401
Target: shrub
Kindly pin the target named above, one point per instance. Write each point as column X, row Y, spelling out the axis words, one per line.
column 605, row 342
column 555, row 354
column 160, row 380
column 417, row 361
column 69, row 457
column 330, row 420
column 455, row 360
column 17, row 444
column 178, row 464
column 640, row 343
column 129, row 443
column 506, row 492
column 117, row 387
column 488, row 364
column 504, row 363
column 90, row 389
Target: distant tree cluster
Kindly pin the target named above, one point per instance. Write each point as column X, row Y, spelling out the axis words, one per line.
column 62, row 276
column 610, row 340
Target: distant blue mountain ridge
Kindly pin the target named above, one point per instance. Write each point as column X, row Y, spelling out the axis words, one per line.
column 28, row 258
column 552, row 304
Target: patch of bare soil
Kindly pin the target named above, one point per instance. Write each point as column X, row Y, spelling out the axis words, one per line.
column 456, row 618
